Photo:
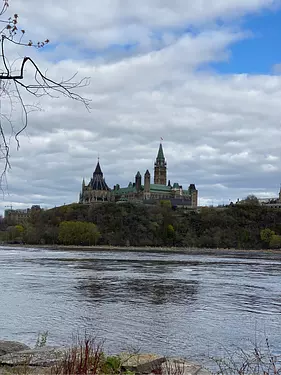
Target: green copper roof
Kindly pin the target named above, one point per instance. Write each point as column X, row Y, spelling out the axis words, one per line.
column 158, row 187
column 160, row 155
column 153, row 188
column 127, row 190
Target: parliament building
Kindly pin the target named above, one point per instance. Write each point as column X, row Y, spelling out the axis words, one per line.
column 140, row 191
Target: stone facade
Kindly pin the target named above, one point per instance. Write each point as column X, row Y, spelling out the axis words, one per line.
column 98, row 191
column 20, row 215
column 160, row 168
column 273, row 202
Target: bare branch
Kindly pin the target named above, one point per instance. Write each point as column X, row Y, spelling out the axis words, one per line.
column 13, row 83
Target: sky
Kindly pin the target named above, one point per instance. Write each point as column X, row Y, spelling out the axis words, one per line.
column 204, row 75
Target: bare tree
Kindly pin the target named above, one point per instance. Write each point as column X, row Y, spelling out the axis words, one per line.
column 13, row 83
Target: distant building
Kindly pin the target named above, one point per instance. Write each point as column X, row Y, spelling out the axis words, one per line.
column 20, row 215
column 273, row 202
column 98, row 191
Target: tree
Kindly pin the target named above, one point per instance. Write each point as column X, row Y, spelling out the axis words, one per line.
column 14, row 82
column 266, row 235
column 252, row 200
column 78, row 233
column 170, row 231
column 275, row 242
column 14, row 233
column 32, row 234
column 166, row 204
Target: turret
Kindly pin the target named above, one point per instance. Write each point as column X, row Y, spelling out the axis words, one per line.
column 81, row 195
column 194, row 195
column 138, row 181
column 147, row 182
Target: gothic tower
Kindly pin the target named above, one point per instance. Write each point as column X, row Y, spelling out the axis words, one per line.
column 147, row 182
column 138, row 181
column 160, row 168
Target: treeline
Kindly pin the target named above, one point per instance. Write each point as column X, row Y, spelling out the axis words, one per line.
column 241, row 226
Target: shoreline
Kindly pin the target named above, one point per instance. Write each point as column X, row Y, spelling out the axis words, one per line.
column 151, row 249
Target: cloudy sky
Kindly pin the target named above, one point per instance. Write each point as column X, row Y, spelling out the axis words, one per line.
column 205, row 75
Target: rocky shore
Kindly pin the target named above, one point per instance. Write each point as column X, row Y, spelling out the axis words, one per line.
column 18, row 358
column 156, row 249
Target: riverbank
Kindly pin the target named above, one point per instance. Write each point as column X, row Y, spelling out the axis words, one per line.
column 87, row 357
column 150, row 249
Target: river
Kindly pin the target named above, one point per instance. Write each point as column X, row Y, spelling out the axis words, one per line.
column 188, row 304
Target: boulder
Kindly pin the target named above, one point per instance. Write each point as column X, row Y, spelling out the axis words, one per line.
column 182, row 367
column 43, row 357
column 141, row 363
column 11, row 347
column 150, row 364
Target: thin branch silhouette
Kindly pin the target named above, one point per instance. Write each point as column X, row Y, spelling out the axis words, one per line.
column 41, row 85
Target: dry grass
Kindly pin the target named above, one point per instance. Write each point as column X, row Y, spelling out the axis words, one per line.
column 259, row 361
column 85, row 357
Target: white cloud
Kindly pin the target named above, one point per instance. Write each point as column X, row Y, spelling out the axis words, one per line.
column 276, row 69
column 99, row 24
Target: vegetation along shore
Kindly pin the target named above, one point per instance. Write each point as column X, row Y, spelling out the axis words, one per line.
column 132, row 226
column 86, row 356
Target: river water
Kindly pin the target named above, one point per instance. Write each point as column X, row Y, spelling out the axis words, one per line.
column 192, row 305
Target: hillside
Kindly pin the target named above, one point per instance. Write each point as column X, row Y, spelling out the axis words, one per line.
column 243, row 226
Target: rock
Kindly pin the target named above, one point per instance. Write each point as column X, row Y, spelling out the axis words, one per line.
column 11, row 347
column 141, row 363
column 203, row 371
column 151, row 364
column 43, row 357
column 182, row 367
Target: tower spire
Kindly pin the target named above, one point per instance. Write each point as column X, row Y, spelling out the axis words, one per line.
column 160, row 155
column 98, row 169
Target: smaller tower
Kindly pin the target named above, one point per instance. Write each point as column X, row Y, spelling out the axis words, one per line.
column 81, row 195
column 194, row 195
column 280, row 194
column 138, row 182
column 147, row 182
